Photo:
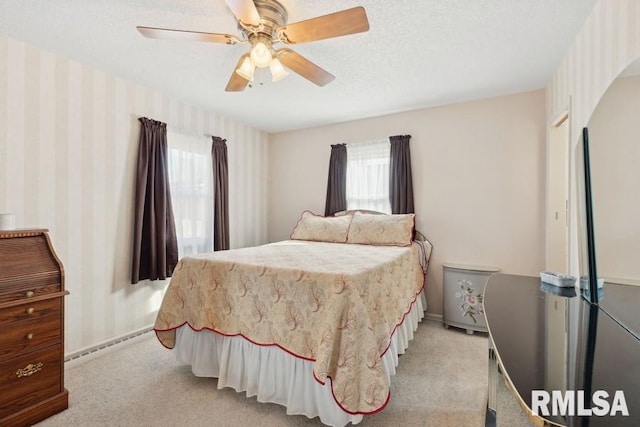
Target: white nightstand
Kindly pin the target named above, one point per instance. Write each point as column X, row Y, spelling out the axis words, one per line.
column 463, row 292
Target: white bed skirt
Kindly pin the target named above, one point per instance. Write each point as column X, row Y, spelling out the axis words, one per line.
column 275, row 376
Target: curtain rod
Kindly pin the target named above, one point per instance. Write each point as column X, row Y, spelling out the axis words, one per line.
column 180, row 130
column 190, row 133
column 377, row 141
column 370, row 142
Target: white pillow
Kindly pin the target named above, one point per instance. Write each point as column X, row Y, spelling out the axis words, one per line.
column 321, row 229
column 384, row 230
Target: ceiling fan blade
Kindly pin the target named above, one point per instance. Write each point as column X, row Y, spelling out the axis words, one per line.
column 237, row 83
column 307, row 69
column 245, row 11
column 350, row 21
column 168, row 34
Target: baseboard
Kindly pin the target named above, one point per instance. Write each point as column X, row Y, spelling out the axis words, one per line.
column 38, row 411
column 434, row 316
column 117, row 343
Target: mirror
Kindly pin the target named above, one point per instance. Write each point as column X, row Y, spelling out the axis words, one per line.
column 614, row 153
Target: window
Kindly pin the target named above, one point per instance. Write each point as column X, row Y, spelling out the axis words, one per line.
column 368, row 176
column 191, row 184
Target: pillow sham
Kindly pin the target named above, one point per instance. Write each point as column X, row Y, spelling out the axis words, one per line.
column 321, row 229
column 384, row 230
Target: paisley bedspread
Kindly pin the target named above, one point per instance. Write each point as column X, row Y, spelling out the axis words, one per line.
column 332, row 303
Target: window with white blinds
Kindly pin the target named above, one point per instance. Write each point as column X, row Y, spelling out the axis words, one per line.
column 191, row 185
column 368, row 176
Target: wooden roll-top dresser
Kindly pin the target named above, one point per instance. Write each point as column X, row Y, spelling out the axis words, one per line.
column 31, row 328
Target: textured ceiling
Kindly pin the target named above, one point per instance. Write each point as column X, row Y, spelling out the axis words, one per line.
column 416, row 54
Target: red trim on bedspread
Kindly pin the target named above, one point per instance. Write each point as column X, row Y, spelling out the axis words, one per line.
column 375, row 411
column 404, row 316
column 233, row 335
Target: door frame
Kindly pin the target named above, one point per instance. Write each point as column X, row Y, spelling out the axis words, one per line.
column 563, row 117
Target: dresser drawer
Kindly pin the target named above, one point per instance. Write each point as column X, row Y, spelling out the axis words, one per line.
column 20, row 292
column 30, row 378
column 30, row 311
column 29, row 335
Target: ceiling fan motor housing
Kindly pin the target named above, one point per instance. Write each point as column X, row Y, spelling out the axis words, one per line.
column 272, row 15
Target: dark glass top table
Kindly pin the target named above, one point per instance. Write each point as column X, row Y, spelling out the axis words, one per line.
column 550, row 339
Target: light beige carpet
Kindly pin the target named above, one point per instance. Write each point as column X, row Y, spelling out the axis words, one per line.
column 441, row 381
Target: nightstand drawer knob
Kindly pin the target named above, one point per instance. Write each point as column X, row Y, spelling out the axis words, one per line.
column 30, row 294
column 29, row 336
column 30, row 310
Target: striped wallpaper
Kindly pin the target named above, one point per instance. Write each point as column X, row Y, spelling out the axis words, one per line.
column 68, row 144
column 607, row 43
column 68, row 148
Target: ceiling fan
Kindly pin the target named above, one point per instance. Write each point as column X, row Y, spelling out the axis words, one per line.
column 263, row 24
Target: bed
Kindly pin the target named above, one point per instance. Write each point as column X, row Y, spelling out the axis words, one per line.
column 315, row 323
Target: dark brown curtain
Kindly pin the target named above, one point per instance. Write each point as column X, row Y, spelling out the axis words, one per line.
column 337, row 181
column 220, row 194
column 400, row 181
column 155, row 246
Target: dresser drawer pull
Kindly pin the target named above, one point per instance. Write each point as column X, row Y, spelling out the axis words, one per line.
column 30, row 310
column 29, row 336
column 29, row 370
column 30, row 294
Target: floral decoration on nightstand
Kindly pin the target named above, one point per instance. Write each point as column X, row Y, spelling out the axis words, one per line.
column 471, row 300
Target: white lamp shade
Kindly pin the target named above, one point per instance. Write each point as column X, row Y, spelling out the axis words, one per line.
column 277, row 70
column 261, row 55
column 246, row 69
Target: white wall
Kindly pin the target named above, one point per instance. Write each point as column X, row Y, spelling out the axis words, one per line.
column 607, row 43
column 478, row 173
column 614, row 146
column 68, row 149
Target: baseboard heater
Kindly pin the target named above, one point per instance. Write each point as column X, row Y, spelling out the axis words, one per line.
column 110, row 343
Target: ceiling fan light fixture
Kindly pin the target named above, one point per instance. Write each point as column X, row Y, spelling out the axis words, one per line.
column 277, row 70
column 246, row 69
column 261, row 55
column 263, row 24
